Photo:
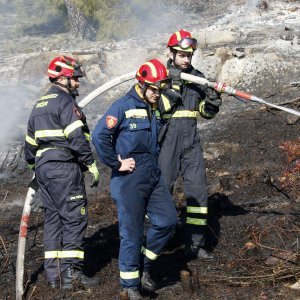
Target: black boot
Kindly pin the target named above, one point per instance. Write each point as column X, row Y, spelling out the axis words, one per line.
column 193, row 252
column 147, row 283
column 133, row 294
column 71, row 273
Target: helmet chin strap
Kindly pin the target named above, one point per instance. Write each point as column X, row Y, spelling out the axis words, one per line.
column 72, row 91
column 143, row 87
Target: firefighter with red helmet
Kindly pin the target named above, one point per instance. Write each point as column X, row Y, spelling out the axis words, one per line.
column 126, row 140
column 181, row 152
column 57, row 147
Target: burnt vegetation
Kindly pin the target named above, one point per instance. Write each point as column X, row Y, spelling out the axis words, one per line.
column 253, row 219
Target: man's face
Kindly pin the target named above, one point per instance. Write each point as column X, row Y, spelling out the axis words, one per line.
column 183, row 59
column 74, row 82
column 152, row 95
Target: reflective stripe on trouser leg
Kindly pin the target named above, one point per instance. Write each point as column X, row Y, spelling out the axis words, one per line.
column 195, row 191
column 162, row 214
column 128, row 195
column 52, row 243
column 196, row 217
column 63, row 183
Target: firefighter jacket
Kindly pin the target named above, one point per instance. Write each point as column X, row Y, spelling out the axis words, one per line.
column 57, row 131
column 180, row 110
column 195, row 99
column 129, row 127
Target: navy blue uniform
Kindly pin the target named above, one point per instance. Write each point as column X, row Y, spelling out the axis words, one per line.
column 181, row 150
column 57, row 142
column 129, row 129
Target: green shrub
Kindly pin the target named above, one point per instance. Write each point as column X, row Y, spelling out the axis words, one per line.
column 112, row 19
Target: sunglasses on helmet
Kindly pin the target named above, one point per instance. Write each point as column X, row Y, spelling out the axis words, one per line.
column 78, row 72
column 188, row 42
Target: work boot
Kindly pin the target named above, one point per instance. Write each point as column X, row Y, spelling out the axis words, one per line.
column 71, row 273
column 193, row 252
column 133, row 294
column 147, row 283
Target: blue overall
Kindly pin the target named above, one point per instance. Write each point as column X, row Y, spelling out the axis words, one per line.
column 57, row 142
column 129, row 129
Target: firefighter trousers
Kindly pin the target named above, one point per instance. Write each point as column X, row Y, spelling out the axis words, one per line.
column 174, row 159
column 65, row 215
column 139, row 194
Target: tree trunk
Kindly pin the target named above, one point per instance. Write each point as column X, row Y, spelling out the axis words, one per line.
column 79, row 25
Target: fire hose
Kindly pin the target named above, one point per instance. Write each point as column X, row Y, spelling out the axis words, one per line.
column 223, row 88
column 219, row 87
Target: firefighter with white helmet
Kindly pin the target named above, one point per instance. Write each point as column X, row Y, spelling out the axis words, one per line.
column 57, row 147
column 181, row 152
column 126, row 140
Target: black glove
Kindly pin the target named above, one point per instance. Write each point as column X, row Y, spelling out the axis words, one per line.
column 174, row 74
column 173, row 96
column 212, row 97
column 211, row 109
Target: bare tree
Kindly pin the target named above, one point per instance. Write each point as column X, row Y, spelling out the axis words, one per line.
column 79, row 25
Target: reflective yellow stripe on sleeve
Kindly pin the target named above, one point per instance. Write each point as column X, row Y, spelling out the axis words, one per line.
column 195, row 221
column 130, row 275
column 196, row 210
column 72, row 127
column 166, row 102
column 136, row 113
column 87, row 136
column 182, row 114
column 30, row 141
column 151, row 255
column 48, row 133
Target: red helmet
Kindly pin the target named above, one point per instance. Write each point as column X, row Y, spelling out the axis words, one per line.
column 64, row 66
column 153, row 73
column 182, row 40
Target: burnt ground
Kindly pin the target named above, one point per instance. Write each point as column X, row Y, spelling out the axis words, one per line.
column 253, row 218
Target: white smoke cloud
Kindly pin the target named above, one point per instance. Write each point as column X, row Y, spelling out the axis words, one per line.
column 14, row 114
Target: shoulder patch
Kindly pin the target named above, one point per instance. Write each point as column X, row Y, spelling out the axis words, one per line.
column 77, row 112
column 111, row 121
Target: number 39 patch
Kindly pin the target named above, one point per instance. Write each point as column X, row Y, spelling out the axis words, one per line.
column 111, row 121
column 132, row 126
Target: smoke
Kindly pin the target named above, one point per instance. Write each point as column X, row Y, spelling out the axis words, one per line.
column 14, row 114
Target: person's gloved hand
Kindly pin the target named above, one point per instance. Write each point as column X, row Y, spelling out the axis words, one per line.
column 207, row 110
column 94, row 171
column 173, row 96
column 212, row 97
column 174, row 74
